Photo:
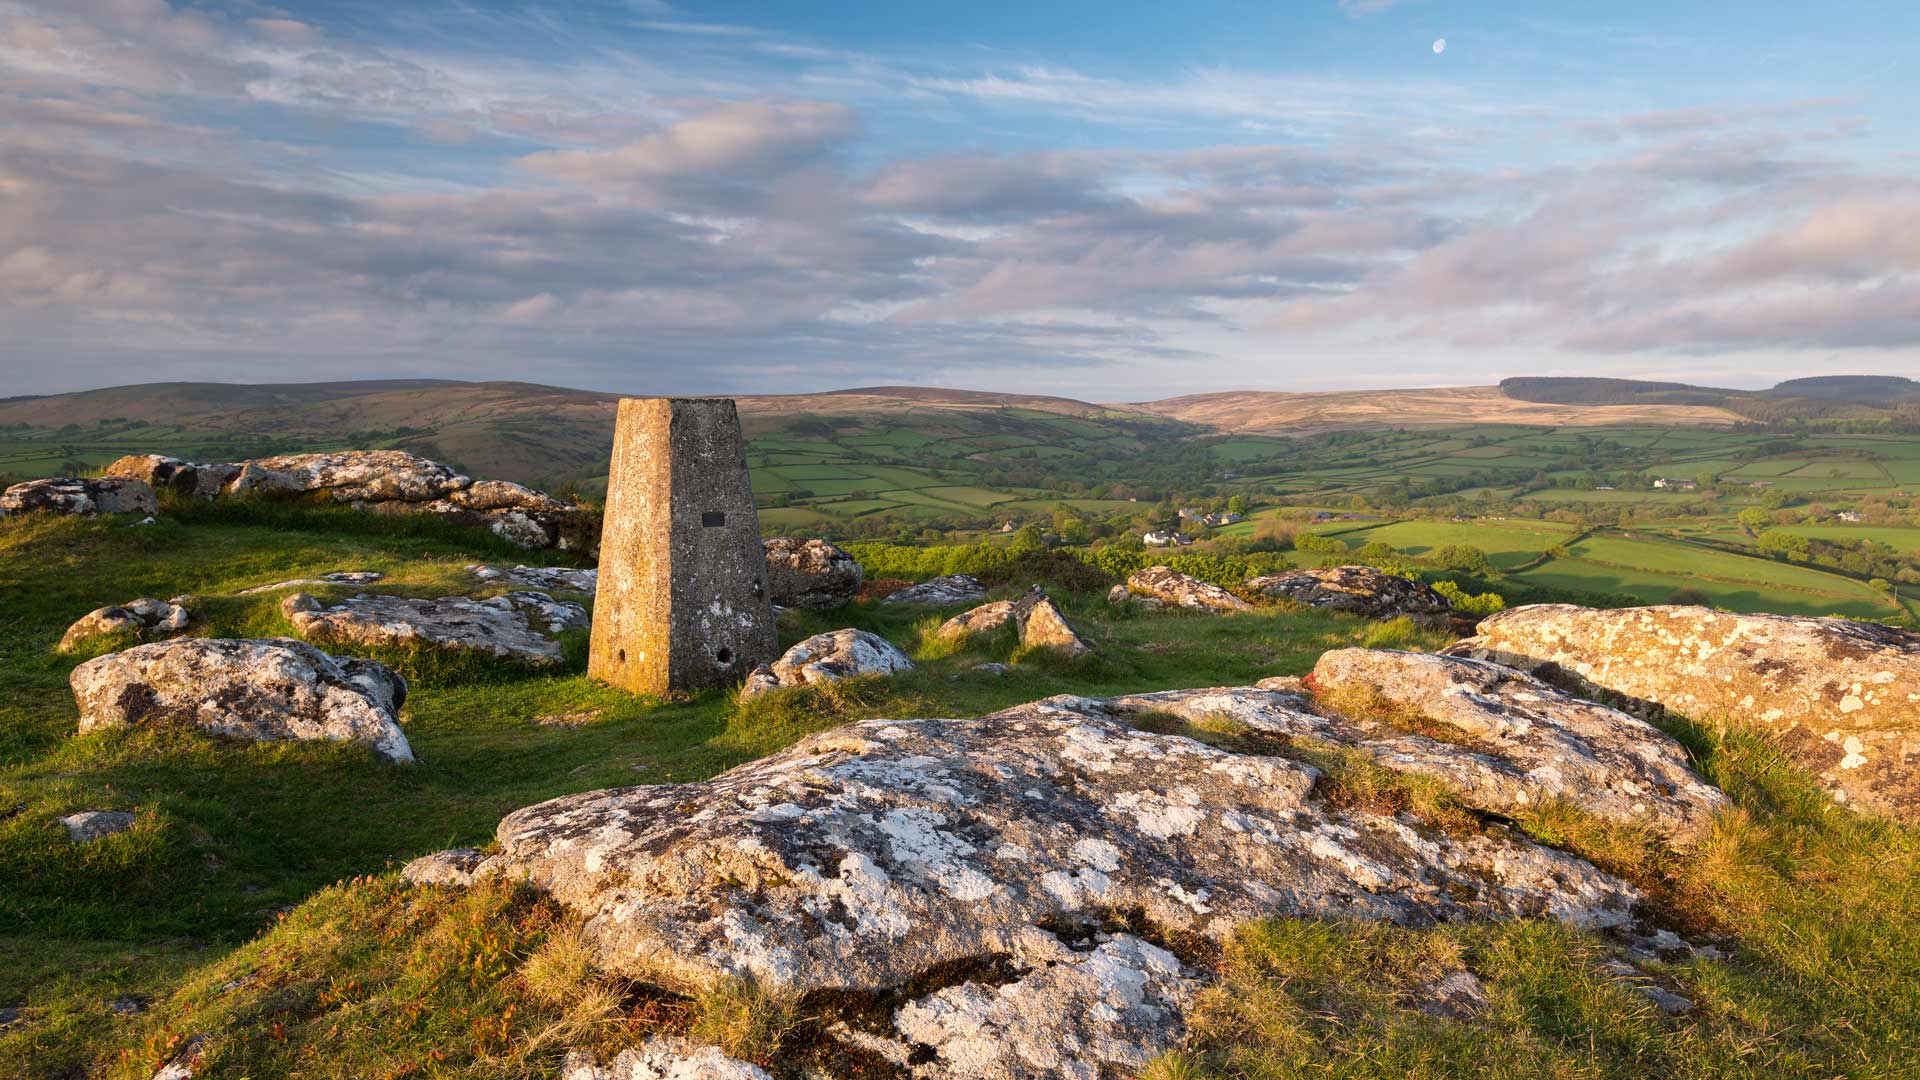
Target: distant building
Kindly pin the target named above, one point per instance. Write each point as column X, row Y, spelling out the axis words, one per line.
column 1761, row 484
column 1603, row 487
column 1217, row 520
column 1190, row 511
column 1166, row 539
column 1851, row 517
column 1675, row 484
column 1007, row 526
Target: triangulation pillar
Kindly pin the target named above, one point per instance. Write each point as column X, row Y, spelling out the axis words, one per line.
column 682, row 599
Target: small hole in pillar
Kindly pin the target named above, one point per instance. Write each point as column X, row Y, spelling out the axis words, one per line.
column 623, row 656
column 725, row 656
column 713, row 519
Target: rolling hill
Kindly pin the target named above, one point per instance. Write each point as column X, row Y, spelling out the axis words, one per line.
column 543, row 435
column 1277, row 413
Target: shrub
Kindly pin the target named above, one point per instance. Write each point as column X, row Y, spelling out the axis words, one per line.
column 1467, row 603
column 1321, row 545
column 1462, row 558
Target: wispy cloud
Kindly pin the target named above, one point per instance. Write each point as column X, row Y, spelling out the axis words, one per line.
column 182, row 185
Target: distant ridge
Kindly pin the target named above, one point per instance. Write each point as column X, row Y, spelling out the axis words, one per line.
column 1810, row 398
column 1866, row 389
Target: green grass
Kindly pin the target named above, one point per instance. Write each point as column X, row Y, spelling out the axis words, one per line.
column 255, row 897
column 230, row 833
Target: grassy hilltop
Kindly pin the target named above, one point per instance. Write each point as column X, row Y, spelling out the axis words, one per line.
column 255, row 898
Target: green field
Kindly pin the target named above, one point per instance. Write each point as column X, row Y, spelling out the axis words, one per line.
column 1507, row 544
column 1652, row 568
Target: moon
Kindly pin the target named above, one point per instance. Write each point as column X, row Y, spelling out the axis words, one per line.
column 1439, row 46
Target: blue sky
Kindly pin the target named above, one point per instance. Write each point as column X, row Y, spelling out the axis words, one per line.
column 1112, row 201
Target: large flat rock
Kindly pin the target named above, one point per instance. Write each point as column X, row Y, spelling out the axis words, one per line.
column 862, row 857
column 1501, row 740
column 1843, row 696
column 273, row 689
column 518, row 626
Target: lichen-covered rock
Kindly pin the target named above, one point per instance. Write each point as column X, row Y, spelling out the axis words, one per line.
column 380, row 481
column 370, row 476
column 828, row 657
column 143, row 616
column 941, row 592
column 1844, row 697
column 264, row 690
column 662, row 1057
column 89, row 825
column 811, row 574
column 1105, row 1012
column 1175, row 589
column 559, row 578
column 67, row 495
column 518, row 626
column 1357, row 590
column 862, row 857
column 186, row 477
column 454, row 866
column 1510, row 741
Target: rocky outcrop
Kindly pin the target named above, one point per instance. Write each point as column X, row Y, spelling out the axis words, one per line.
column 90, row 825
column 68, row 495
column 518, row 626
column 862, row 857
column 1844, row 697
column 1175, row 589
column 263, row 690
column 941, row 592
column 811, row 574
column 164, row 473
column 142, row 617
column 382, row 481
column 662, row 1057
column 559, row 578
column 1506, row 741
column 1357, row 590
column 826, row 658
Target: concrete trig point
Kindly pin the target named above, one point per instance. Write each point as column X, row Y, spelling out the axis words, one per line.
column 682, row 599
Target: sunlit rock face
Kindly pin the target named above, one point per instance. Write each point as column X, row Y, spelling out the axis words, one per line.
column 1844, row 697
